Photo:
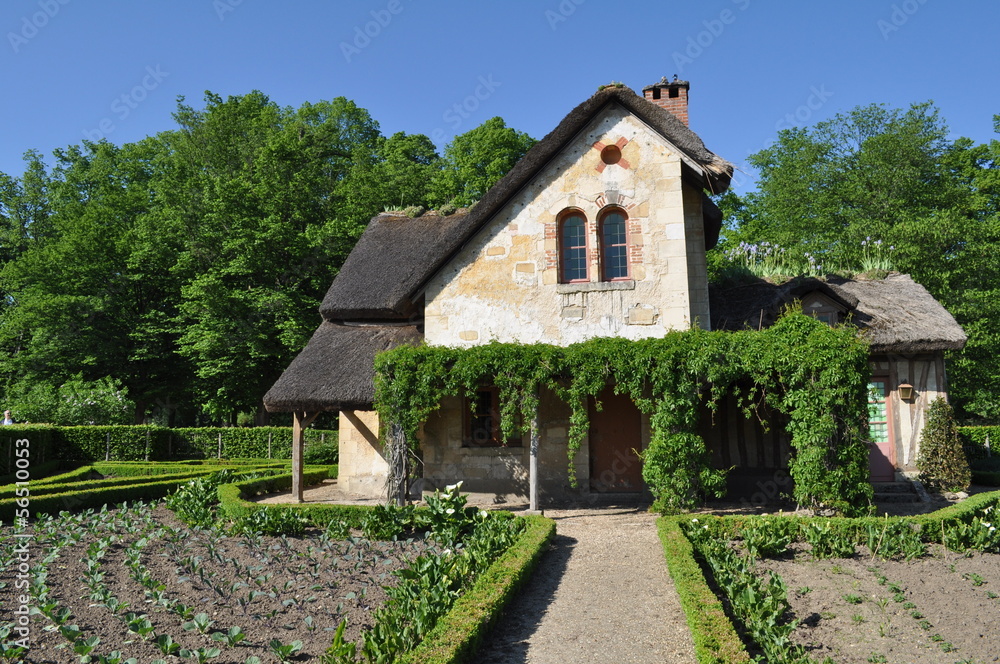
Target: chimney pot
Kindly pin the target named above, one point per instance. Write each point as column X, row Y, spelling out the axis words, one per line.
column 670, row 95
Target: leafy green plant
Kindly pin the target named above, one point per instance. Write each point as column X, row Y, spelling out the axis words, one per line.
column 200, row 623
column 768, row 538
column 827, row 542
column 166, row 644
column 284, row 651
column 270, row 522
column 942, row 462
column 853, row 599
column 812, row 373
column 232, row 636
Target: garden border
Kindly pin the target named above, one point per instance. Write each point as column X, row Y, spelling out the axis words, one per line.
column 711, row 628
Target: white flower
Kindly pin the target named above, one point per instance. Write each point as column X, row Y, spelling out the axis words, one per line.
column 450, row 510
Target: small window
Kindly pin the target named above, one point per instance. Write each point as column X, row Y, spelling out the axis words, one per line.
column 482, row 421
column 878, row 413
column 573, row 249
column 614, row 246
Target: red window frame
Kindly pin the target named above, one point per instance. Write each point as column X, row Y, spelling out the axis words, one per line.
column 564, row 249
column 605, row 246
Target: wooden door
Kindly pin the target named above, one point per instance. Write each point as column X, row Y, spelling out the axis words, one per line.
column 615, row 435
column 880, row 445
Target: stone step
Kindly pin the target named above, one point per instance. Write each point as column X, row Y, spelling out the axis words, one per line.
column 895, row 492
column 893, row 487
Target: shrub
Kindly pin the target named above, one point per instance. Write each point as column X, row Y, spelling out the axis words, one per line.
column 447, row 209
column 414, row 210
column 326, row 452
column 942, row 462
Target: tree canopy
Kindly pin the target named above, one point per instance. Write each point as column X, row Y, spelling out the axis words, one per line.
column 187, row 269
column 886, row 188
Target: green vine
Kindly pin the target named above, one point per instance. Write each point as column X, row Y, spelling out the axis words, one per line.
column 815, row 375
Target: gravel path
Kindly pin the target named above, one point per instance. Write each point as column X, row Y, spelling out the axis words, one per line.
column 601, row 593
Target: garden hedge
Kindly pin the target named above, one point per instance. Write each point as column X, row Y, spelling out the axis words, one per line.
column 233, row 503
column 459, row 632
column 38, row 490
column 975, row 439
column 87, row 498
column 153, row 443
column 715, row 638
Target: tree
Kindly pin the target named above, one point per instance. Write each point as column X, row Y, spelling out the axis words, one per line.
column 887, row 184
column 476, row 160
column 942, row 462
column 190, row 265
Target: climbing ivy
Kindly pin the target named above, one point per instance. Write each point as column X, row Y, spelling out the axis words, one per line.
column 814, row 375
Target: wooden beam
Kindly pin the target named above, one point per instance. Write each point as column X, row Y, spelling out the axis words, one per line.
column 533, row 466
column 299, row 423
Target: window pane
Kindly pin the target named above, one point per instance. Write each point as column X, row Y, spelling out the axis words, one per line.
column 614, row 246
column 574, row 250
column 878, row 415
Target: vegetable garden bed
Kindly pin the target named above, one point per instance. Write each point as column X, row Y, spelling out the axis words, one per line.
column 137, row 584
column 797, row 590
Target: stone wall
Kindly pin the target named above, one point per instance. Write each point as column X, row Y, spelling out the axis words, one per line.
column 362, row 469
column 504, row 285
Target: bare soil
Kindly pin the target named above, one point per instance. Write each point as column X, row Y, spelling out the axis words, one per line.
column 303, row 588
column 944, row 607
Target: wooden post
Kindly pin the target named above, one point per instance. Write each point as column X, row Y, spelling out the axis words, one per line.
column 147, row 443
column 107, row 448
column 269, row 444
column 219, row 456
column 299, row 423
column 533, row 466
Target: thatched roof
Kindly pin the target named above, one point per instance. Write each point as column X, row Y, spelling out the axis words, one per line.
column 896, row 314
column 382, row 278
column 335, row 371
column 394, row 255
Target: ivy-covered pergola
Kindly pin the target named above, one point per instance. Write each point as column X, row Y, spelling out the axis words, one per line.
column 815, row 375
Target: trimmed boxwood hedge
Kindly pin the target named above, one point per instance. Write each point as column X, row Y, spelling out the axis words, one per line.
column 459, row 632
column 142, row 442
column 88, row 498
column 38, row 490
column 715, row 637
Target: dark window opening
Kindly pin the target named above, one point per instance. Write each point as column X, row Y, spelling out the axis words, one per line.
column 482, row 421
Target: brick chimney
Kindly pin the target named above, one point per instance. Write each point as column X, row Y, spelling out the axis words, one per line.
column 671, row 95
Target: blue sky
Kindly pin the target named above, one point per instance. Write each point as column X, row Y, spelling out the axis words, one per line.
column 114, row 68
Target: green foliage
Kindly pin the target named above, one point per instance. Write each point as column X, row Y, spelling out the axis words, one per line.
column 942, row 462
column 270, row 522
column 188, row 265
column 826, row 541
column 759, row 604
column 135, row 443
column 323, row 452
column 875, row 189
column 715, row 638
column 768, row 538
column 432, row 584
column 813, row 374
column 75, row 402
column 476, row 160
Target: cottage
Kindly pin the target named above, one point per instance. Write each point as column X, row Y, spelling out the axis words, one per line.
column 600, row 230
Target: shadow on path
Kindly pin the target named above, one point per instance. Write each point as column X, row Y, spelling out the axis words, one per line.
column 508, row 642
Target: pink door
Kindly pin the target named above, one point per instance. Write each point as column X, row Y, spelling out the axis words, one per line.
column 880, row 447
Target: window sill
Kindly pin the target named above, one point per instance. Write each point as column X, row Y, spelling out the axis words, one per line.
column 596, row 286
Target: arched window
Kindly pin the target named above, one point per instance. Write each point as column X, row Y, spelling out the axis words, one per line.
column 573, row 248
column 614, row 245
